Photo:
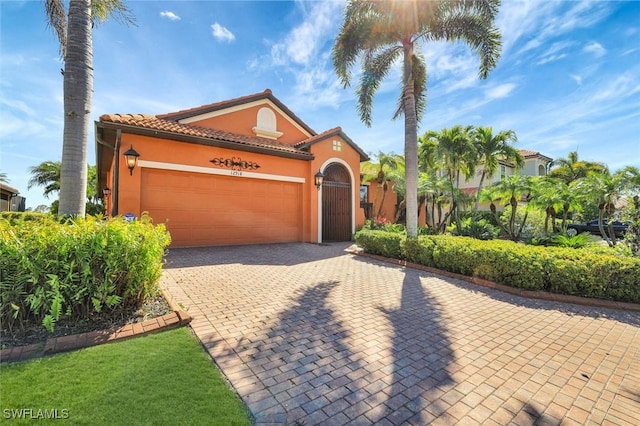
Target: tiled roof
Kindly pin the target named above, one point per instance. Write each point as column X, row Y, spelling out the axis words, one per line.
column 152, row 122
column 332, row 132
column 527, row 153
column 203, row 109
column 177, row 115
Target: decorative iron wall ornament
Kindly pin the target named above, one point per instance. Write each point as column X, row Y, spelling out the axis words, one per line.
column 235, row 163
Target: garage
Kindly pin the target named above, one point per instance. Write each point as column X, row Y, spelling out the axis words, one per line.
column 204, row 209
column 241, row 171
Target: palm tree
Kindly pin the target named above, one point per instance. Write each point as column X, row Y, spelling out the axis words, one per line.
column 74, row 32
column 608, row 189
column 379, row 171
column 3, row 178
column 547, row 194
column 571, row 168
column 513, row 189
column 491, row 149
column 379, row 33
column 46, row 174
column 458, row 155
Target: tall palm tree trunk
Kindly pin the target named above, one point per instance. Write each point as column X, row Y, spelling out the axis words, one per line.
column 78, row 89
column 410, row 144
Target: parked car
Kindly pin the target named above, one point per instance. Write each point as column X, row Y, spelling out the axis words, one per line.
column 619, row 228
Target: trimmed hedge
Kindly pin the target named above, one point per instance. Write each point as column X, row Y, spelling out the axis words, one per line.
column 51, row 270
column 554, row 269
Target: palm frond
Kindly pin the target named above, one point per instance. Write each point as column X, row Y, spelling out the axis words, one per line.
column 57, row 20
column 376, row 66
column 480, row 34
column 101, row 10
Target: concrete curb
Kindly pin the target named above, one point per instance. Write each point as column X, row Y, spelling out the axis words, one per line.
column 54, row 345
column 553, row 297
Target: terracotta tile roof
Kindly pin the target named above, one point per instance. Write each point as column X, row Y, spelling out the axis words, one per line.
column 336, row 131
column 203, row 109
column 152, row 122
column 527, row 153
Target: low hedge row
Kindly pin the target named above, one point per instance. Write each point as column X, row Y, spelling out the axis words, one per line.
column 558, row 270
column 51, row 270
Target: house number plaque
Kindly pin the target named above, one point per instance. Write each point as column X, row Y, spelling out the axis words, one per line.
column 236, row 164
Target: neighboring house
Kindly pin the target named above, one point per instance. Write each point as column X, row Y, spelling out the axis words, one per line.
column 240, row 171
column 10, row 199
column 535, row 164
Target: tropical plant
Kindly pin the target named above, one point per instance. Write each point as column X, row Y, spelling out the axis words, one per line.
column 608, row 190
column 3, row 178
column 458, row 155
column 511, row 189
column 571, row 168
column 379, row 33
column 46, row 174
column 73, row 28
column 575, row 241
column 380, row 172
column 480, row 229
column 632, row 215
column 491, row 150
column 545, row 194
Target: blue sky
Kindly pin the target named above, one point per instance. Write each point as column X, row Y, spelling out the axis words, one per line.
column 568, row 78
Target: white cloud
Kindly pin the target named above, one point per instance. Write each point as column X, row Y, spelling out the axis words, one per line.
column 221, row 33
column 576, row 78
column 169, row 15
column 500, row 91
column 532, row 24
column 553, row 53
column 624, row 86
column 595, row 48
column 551, row 58
column 305, row 40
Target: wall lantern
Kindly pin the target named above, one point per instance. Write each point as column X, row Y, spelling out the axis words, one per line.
column 132, row 159
column 106, row 192
column 318, row 178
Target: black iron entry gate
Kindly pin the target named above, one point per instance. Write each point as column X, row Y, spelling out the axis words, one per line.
column 336, row 204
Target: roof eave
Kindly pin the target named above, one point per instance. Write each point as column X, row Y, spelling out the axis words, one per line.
column 363, row 155
column 219, row 143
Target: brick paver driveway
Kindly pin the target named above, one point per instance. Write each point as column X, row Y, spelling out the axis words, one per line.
column 308, row 333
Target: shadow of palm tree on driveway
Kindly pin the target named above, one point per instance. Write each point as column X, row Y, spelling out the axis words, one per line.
column 421, row 354
column 304, row 363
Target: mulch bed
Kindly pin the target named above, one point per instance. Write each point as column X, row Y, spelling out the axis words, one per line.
column 36, row 333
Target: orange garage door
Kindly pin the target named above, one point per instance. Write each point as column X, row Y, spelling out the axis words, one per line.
column 201, row 209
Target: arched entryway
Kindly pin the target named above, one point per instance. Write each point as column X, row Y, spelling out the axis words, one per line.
column 336, row 203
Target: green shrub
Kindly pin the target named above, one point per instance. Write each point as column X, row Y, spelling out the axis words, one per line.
column 418, row 250
column 590, row 272
column 382, row 224
column 383, row 243
column 481, row 230
column 51, row 270
column 15, row 217
column 575, row 241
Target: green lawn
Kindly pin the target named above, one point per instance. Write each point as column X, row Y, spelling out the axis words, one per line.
column 159, row 379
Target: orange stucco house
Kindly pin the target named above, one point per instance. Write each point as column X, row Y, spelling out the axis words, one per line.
column 241, row 171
